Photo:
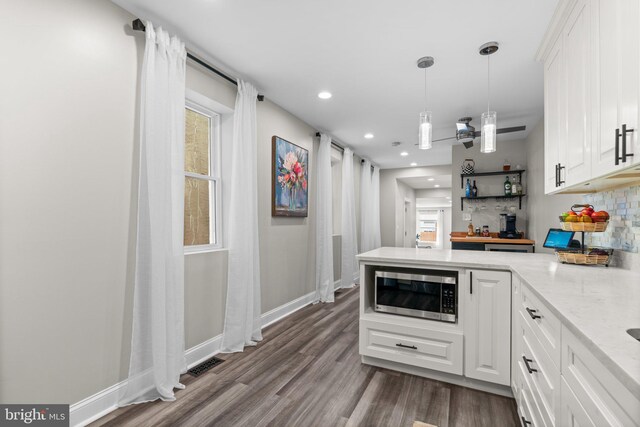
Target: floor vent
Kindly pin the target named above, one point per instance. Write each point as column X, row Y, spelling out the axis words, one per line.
column 204, row 366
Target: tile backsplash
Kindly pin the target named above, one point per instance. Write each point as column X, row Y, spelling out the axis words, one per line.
column 623, row 205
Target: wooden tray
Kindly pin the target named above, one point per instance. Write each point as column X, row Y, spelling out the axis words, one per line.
column 582, row 259
column 585, row 226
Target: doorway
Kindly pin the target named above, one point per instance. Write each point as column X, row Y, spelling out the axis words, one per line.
column 409, row 225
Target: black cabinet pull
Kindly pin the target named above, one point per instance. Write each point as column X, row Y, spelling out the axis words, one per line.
column 525, row 422
column 617, row 147
column 526, row 363
column 412, row 347
column 624, row 132
column 471, row 282
column 556, row 165
column 532, row 313
column 560, row 180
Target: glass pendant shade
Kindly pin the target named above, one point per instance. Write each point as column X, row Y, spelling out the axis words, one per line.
column 488, row 134
column 424, row 131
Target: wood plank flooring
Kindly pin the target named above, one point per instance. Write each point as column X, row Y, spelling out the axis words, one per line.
column 307, row 372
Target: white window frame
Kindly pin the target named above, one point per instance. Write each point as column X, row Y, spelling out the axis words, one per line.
column 196, row 102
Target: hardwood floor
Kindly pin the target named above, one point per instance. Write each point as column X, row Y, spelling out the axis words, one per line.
column 307, row 372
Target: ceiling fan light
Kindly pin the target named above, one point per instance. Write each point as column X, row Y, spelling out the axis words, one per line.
column 488, row 135
column 425, row 131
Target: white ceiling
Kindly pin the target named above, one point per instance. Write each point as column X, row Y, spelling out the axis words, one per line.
column 428, row 182
column 365, row 53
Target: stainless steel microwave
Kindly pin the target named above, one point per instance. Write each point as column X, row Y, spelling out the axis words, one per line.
column 430, row 296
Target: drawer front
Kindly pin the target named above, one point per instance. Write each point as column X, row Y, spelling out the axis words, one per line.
column 545, row 325
column 606, row 401
column 425, row 348
column 527, row 406
column 543, row 375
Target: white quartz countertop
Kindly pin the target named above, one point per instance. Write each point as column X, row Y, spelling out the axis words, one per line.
column 596, row 303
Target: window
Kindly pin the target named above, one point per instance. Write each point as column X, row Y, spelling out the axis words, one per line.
column 202, row 178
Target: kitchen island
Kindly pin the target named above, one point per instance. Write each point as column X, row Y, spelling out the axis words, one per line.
column 574, row 319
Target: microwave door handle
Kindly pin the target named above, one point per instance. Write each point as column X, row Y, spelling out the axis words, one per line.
column 471, row 282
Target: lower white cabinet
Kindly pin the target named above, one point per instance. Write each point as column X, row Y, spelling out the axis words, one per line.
column 580, row 391
column 421, row 347
column 487, row 326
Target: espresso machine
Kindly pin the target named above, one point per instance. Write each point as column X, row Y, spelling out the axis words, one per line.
column 508, row 226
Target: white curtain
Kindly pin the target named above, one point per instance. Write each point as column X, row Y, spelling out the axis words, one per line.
column 324, row 226
column 366, row 219
column 242, row 323
column 375, row 207
column 349, row 269
column 157, row 343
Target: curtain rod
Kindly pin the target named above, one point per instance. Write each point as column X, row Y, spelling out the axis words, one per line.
column 138, row 25
column 335, row 145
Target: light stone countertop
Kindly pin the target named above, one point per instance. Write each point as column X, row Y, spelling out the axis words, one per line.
column 598, row 304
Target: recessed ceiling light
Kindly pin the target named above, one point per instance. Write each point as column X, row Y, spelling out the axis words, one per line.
column 324, row 95
column 414, row 164
column 437, row 185
column 448, row 198
column 404, row 153
column 431, row 179
column 368, row 135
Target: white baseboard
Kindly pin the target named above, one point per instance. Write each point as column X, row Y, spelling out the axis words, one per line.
column 285, row 310
column 100, row 404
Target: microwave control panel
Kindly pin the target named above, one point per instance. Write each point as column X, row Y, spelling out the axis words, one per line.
column 449, row 298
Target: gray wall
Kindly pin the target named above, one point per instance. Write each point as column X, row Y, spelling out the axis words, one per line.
column 543, row 209
column 68, row 168
column 516, row 153
column 391, row 219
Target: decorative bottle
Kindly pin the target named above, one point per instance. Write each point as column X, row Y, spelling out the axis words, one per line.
column 474, row 189
column 467, row 189
column 507, row 187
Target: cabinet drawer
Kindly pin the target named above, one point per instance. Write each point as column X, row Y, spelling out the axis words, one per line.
column 544, row 325
column 542, row 374
column 605, row 400
column 527, row 407
column 425, row 348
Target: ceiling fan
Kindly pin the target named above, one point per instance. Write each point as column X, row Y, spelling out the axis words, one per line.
column 466, row 133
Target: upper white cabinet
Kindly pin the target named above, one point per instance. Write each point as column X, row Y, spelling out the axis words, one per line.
column 616, row 45
column 555, row 129
column 591, row 55
column 487, row 327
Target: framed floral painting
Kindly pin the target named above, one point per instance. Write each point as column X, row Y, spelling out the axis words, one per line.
column 289, row 193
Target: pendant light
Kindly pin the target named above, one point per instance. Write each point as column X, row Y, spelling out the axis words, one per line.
column 425, row 128
column 489, row 118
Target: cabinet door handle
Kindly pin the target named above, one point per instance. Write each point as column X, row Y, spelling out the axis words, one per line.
column 471, row 282
column 532, row 313
column 526, row 363
column 556, row 174
column 624, row 132
column 560, row 181
column 617, row 147
column 412, row 347
column 525, row 422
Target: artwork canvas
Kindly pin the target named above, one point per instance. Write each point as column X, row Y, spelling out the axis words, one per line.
column 289, row 196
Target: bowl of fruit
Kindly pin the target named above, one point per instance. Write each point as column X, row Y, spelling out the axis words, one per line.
column 584, row 218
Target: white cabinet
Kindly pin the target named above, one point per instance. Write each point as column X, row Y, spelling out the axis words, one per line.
column 516, row 289
column 577, row 54
column 487, row 326
column 616, row 43
column 591, row 57
column 555, row 110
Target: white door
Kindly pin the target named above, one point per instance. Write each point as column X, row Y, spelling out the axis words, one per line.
column 577, row 56
column 487, row 326
column 617, row 83
column 555, row 116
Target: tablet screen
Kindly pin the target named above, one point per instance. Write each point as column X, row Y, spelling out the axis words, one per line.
column 557, row 238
